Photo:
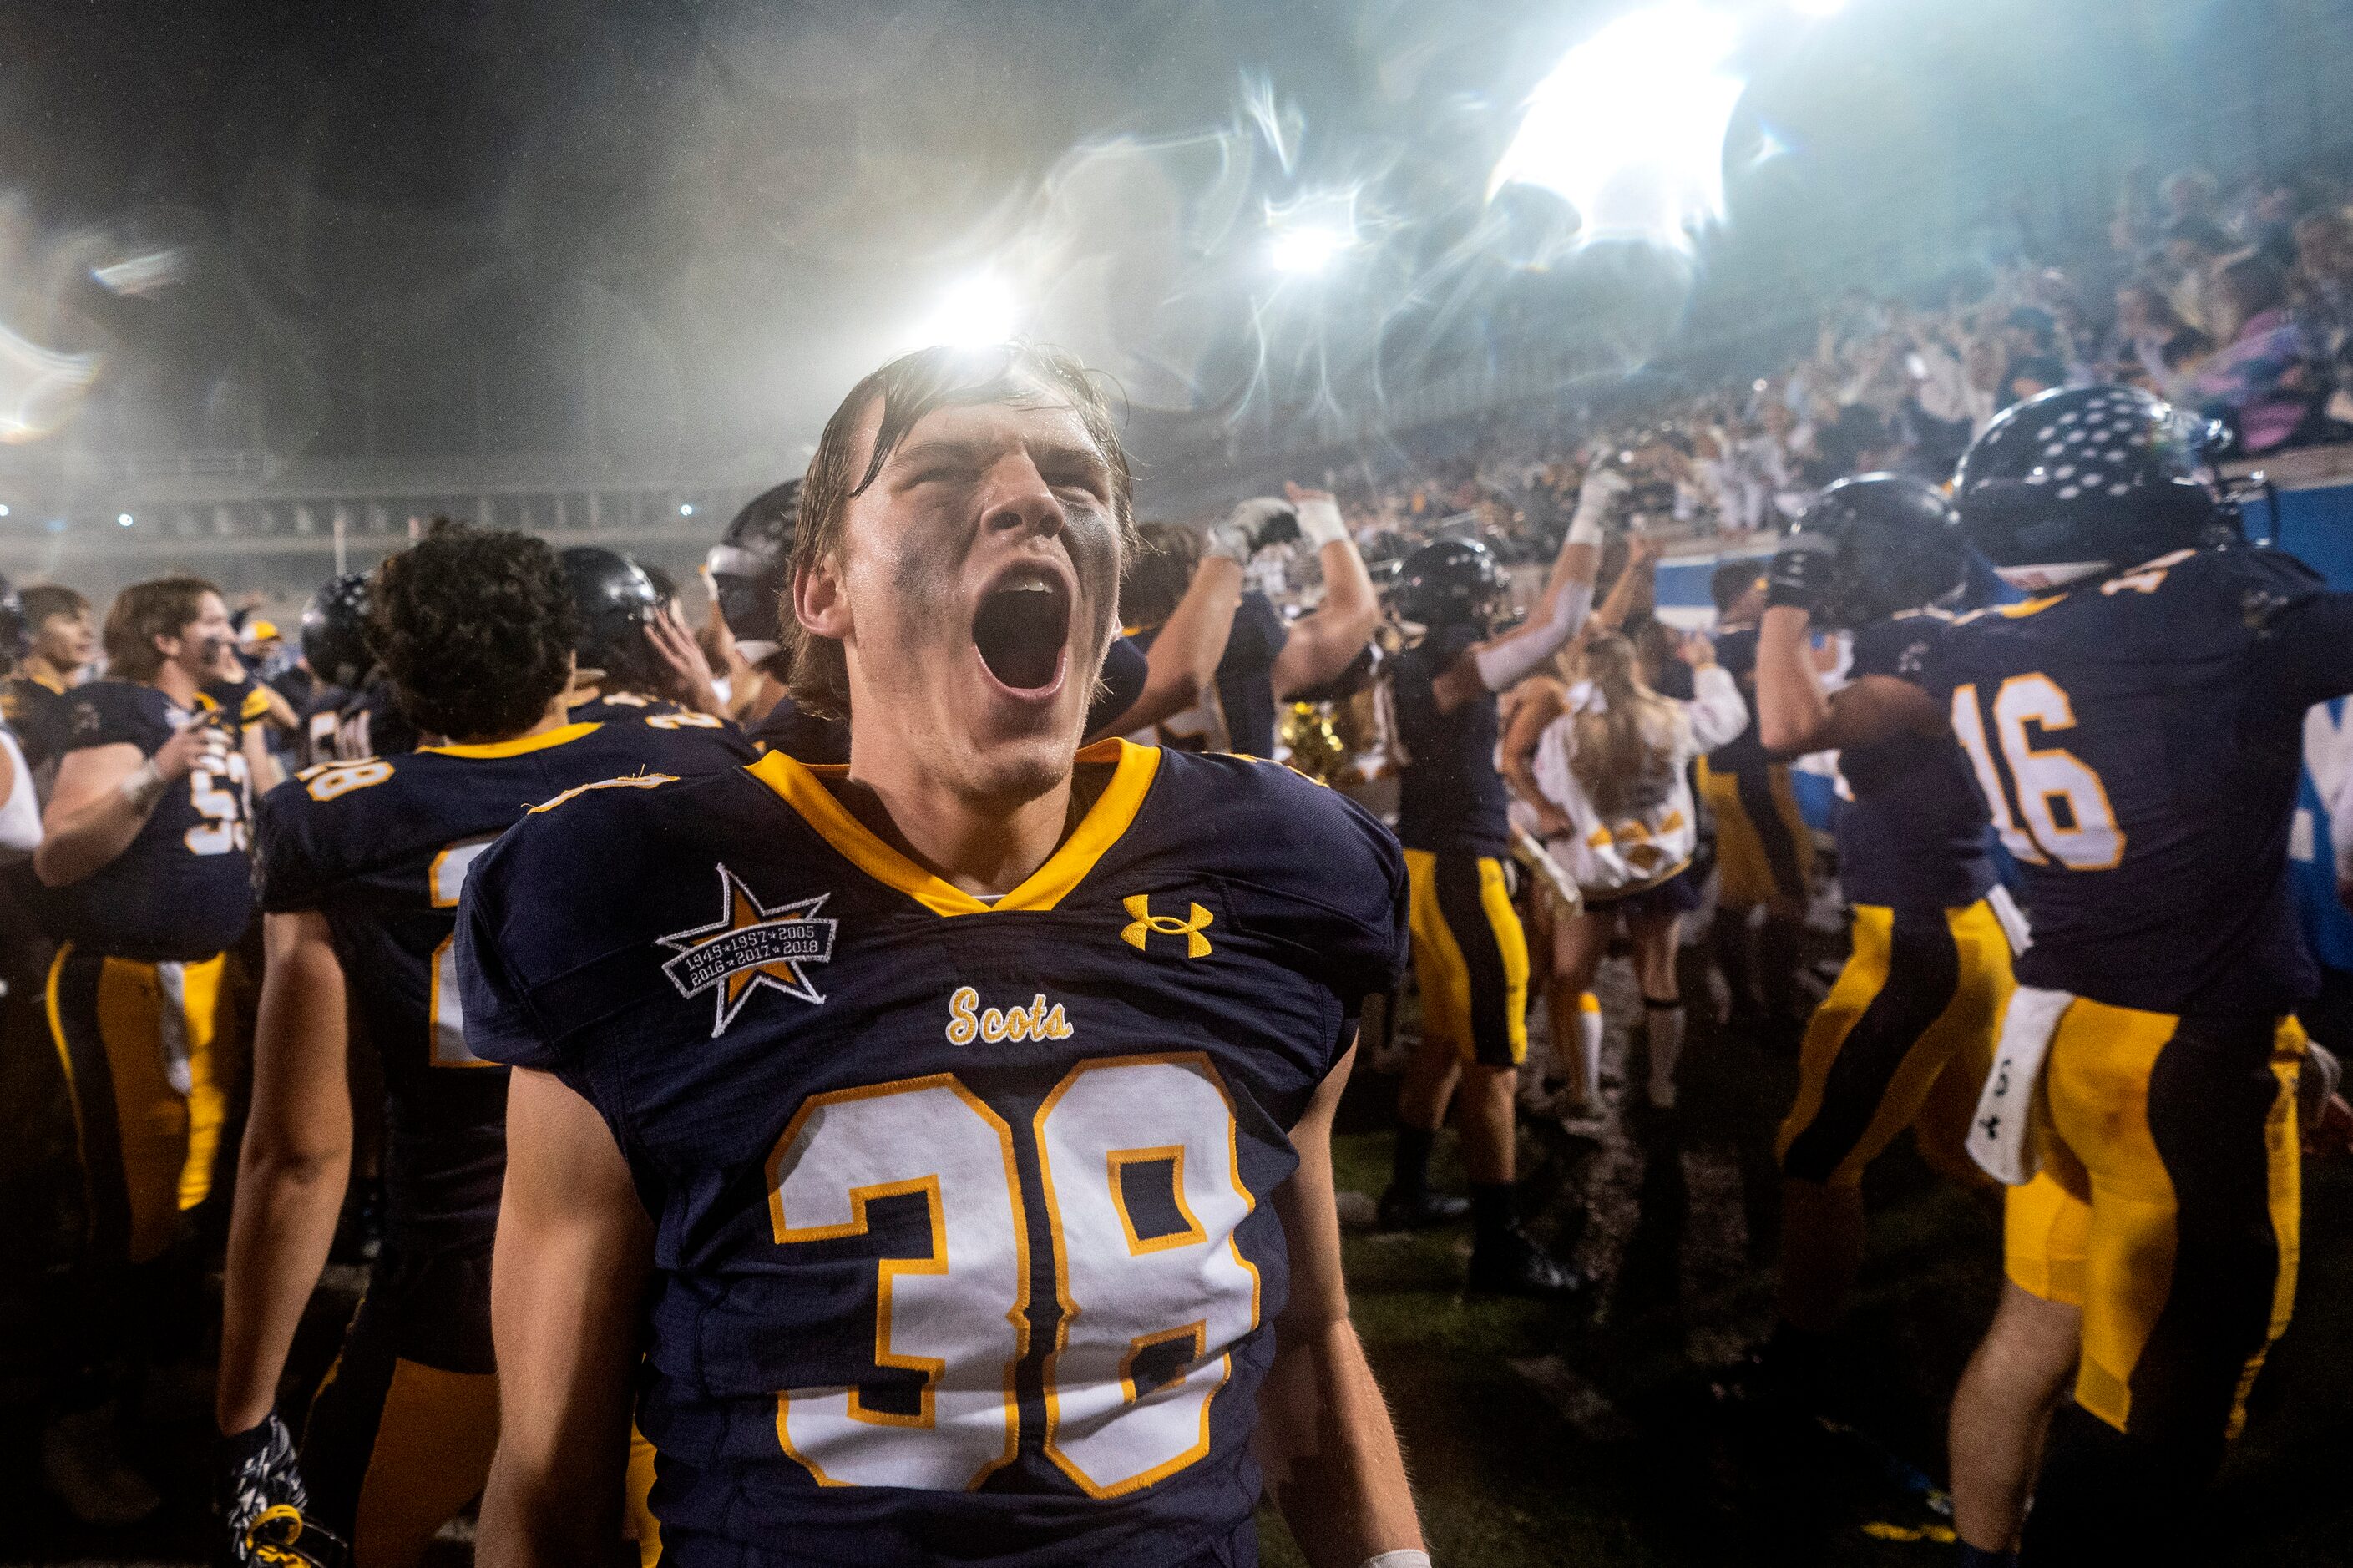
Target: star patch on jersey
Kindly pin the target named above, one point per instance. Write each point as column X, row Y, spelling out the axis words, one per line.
column 750, row 945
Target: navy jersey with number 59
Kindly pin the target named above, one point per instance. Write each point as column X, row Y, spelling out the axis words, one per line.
column 963, row 1240
column 2137, row 739
column 380, row 847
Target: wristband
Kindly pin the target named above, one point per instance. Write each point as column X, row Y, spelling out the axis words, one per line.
column 1319, row 522
column 2317, row 1081
column 142, row 785
column 1398, row 1559
column 1226, row 540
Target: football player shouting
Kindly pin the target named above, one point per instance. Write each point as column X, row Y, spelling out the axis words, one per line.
column 936, row 1149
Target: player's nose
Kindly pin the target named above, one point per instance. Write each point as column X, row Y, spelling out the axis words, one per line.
column 1018, row 499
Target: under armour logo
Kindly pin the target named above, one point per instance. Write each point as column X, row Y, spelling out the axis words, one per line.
column 1147, row 922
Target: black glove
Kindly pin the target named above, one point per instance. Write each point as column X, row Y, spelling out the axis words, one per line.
column 1250, row 527
column 264, row 1504
column 1800, row 577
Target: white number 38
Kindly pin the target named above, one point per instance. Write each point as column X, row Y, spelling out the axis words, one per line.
column 1143, row 1193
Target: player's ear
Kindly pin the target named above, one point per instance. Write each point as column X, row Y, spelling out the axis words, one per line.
column 818, row 603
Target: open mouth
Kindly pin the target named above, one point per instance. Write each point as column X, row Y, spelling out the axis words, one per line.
column 1021, row 627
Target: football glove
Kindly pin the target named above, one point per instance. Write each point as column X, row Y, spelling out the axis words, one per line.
column 1250, row 527
column 263, row 1503
column 1800, row 577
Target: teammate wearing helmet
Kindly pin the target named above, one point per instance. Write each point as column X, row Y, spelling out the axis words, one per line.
column 354, row 715
column 334, row 649
column 2136, row 728
column 745, row 573
column 1471, row 956
column 621, row 674
column 1906, row 1034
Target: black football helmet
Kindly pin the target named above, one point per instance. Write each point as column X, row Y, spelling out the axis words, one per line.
column 1450, row 582
column 617, row 602
column 334, row 630
column 747, row 566
column 2085, row 476
column 1899, row 547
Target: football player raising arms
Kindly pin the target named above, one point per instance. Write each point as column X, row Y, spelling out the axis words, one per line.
column 2136, row 726
column 947, row 1131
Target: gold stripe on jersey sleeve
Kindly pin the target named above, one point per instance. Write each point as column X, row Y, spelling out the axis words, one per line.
column 800, row 787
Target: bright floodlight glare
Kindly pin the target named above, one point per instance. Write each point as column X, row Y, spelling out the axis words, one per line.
column 1629, row 128
column 124, row 518
column 977, row 312
column 1818, row 7
column 3, row 511
column 685, row 508
column 1307, row 250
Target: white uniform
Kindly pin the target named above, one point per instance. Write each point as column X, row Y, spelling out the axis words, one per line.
column 1642, row 847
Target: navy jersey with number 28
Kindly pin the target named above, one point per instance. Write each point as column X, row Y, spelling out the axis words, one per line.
column 381, row 848
column 964, row 1241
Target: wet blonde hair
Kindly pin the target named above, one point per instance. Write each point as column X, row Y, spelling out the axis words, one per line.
column 1625, row 757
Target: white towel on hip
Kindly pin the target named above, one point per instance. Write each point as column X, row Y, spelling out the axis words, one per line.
column 2002, row 1134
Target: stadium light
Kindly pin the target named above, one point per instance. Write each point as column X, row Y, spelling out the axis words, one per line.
column 124, row 519
column 978, row 310
column 1307, row 249
column 3, row 511
column 1629, row 128
column 686, row 509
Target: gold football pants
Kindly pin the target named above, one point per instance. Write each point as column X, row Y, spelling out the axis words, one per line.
column 2167, row 1208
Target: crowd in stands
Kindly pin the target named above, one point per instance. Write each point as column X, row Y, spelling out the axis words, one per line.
column 2234, row 303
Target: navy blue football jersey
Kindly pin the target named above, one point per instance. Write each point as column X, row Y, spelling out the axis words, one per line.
column 1913, row 833
column 381, row 848
column 38, row 713
column 1735, row 651
column 1450, row 799
column 319, row 714
column 183, row 889
column 1244, row 680
column 795, row 730
column 963, row 1240
column 2137, row 740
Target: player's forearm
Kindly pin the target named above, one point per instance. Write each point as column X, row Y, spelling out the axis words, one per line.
column 261, row 763
column 1324, row 644
column 1182, row 658
column 1194, row 636
column 527, row 1523
column 1329, row 1451
column 1502, row 663
column 1792, row 714
column 284, row 1224
column 82, row 841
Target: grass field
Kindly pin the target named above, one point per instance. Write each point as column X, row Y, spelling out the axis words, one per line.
column 1539, row 1435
